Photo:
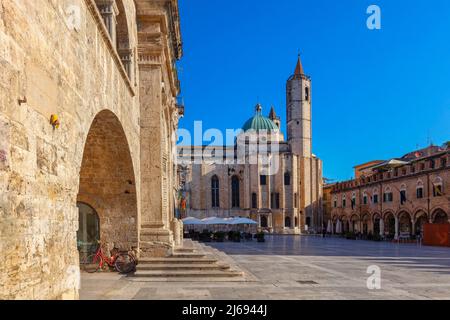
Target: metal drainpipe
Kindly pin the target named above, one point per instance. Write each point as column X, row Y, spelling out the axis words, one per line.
column 380, row 196
column 428, row 197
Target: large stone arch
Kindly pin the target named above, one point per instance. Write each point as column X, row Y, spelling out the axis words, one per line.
column 376, row 223
column 108, row 182
column 404, row 221
column 365, row 222
column 438, row 215
column 418, row 212
column 389, row 223
column 420, row 219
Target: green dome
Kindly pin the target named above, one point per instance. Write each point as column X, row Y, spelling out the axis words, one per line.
column 259, row 122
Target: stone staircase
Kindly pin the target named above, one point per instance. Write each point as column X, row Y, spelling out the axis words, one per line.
column 192, row 262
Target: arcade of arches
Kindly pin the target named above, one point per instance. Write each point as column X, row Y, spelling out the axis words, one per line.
column 107, row 182
column 107, row 171
column 391, row 225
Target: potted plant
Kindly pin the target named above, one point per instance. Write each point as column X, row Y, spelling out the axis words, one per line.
column 205, row 236
column 350, row 236
column 219, row 236
column 260, row 237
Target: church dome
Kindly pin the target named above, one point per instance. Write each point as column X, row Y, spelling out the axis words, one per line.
column 260, row 123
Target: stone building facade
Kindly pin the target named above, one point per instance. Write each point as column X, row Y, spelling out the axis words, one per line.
column 284, row 193
column 104, row 72
column 396, row 197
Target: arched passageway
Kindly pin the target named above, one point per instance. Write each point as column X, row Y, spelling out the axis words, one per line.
column 404, row 223
column 365, row 224
column 389, row 226
column 107, row 185
column 88, row 230
column 376, row 224
column 421, row 220
column 440, row 217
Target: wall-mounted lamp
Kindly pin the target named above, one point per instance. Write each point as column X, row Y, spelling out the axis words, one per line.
column 22, row 100
column 54, row 121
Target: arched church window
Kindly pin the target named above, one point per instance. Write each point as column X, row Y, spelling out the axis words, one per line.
column 215, row 201
column 235, row 203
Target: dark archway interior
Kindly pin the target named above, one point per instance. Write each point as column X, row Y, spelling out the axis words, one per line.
column 107, row 182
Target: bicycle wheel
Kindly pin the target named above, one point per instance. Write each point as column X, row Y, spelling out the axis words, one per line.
column 90, row 264
column 125, row 263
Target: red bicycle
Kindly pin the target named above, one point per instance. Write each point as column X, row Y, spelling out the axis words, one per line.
column 123, row 262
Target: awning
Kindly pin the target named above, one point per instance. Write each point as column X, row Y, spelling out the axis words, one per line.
column 191, row 221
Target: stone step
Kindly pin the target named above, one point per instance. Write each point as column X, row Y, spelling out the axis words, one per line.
column 180, row 266
column 172, row 260
column 183, row 249
column 186, row 274
column 186, row 255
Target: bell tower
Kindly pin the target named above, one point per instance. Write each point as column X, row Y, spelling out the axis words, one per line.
column 298, row 103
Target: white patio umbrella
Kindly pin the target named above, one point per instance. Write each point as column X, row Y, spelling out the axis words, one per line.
column 338, row 227
column 191, row 221
column 215, row 221
column 329, row 227
column 235, row 221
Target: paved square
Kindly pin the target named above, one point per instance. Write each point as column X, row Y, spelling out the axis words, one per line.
column 301, row 267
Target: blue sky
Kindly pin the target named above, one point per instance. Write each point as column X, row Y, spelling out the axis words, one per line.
column 376, row 94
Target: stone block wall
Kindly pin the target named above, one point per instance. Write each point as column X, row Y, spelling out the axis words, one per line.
column 75, row 74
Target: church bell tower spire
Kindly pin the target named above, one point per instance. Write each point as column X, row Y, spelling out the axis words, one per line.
column 298, row 107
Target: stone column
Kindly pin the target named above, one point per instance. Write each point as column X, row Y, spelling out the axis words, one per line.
column 413, row 227
column 156, row 237
column 381, row 227
column 396, row 228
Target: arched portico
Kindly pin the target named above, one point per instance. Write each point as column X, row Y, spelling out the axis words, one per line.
column 377, row 224
column 355, row 223
column 420, row 219
column 404, row 223
column 390, row 225
column 107, row 182
column 365, row 224
column 439, row 216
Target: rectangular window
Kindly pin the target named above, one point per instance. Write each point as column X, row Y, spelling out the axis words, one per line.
column 344, row 203
column 375, row 198
column 287, row 179
column 365, row 199
column 335, row 204
column 437, row 191
column 388, row 197
column 419, row 193
column 263, row 180
column 295, row 200
column 402, row 196
column 254, row 201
